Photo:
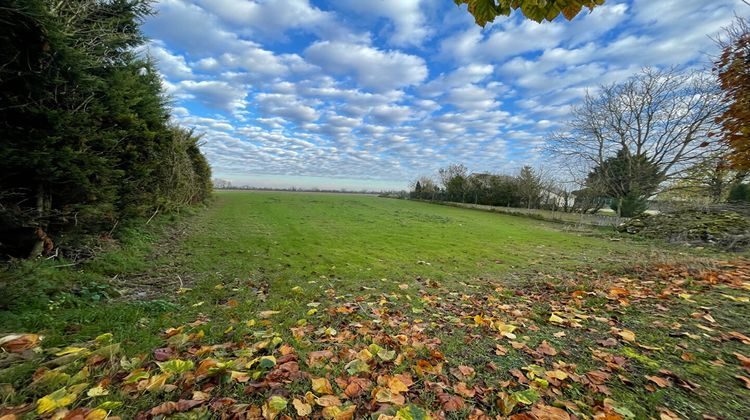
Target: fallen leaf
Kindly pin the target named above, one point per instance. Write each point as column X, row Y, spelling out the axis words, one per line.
column 268, row 314
column 321, row 386
column 463, row 390
column 328, row 401
column 627, row 335
column 303, row 408
column 546, row 348
column 661, row 382
column 172, row 407
column 19, row 343
column 273, row 406
column 58, row 399
column 547, row 412
column 451, row 402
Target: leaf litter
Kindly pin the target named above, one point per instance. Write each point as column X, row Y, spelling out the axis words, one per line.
column 564, row 349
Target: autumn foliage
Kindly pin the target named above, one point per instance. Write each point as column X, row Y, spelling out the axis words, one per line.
column 733, row 70
column 485, row 11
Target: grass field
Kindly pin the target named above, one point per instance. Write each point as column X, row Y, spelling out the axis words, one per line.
column 351, row 305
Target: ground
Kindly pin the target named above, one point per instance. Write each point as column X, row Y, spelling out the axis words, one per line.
column 348, row 306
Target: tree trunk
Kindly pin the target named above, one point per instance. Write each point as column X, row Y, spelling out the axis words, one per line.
column 43, row 203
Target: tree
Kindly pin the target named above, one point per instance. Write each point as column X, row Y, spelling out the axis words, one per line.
column 708, row 181
column 84, row 121
column 733, row 71
column 453, row 179
column 628, row 180
column 485, row 11
column 424, row 188
column 663, row 117
column 530, row 187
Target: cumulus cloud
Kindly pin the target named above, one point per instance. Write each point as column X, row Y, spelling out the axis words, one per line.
column 370, row 67
column 285, row 106
column 406, row 18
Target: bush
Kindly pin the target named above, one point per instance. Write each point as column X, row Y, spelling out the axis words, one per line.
column 740, row 193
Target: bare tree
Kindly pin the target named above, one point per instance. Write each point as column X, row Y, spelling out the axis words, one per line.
column 662, row 116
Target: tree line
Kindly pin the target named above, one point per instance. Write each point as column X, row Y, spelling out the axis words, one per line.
column 529, row 188
column 87, row 138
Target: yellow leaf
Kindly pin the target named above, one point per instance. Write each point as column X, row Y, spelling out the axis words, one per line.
column 58, row 399
column 157, row 383
column 97, row 391
column 321, row 386
column 70, row 350
column 627, row 335
column 364, row 355
column 556, row 319
column 96, row 414
column 241, row 377
column 396, row 386
column 303, row 409
column 556, row 374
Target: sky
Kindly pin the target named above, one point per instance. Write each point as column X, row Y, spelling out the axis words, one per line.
column 353, row 94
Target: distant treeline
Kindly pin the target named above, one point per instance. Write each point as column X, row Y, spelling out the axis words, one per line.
column 221, row 184
column 84, row 122
column 528, row 188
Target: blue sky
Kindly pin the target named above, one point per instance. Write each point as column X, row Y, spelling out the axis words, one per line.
column 371, row 94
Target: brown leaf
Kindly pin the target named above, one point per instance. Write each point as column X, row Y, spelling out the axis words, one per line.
column 744, row 379
column 547, row 412
column 451, row 402
column 357, row 386
column 661, row 382
column 171, row 407
column 163, row 354
column 597, row 376
column 546, row 348
column 741, row 337
column 610, row 342
column 19, row 343
column 463, row 390
column 318, row 357
column 328, row 401
column 744, row 360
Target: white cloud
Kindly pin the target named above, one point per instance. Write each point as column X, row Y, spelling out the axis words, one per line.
column 215, row 94
column 406, row 17
column 370, row 67
column 288, row 107
column 169, row 64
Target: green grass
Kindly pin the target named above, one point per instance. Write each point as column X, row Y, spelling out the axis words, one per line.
column 430, row 265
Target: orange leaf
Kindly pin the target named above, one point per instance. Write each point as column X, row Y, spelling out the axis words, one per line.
column 463, row 390
column 19, row 343
column 547, row 412
column 661, row 382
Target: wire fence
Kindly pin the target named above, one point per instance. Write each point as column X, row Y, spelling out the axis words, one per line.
column 550, row 215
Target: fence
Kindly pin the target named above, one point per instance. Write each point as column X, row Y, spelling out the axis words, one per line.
column 555, row 216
